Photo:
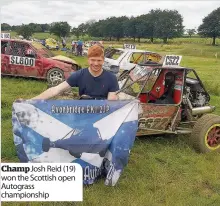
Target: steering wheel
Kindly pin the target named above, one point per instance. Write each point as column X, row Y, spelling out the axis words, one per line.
column 85, row 97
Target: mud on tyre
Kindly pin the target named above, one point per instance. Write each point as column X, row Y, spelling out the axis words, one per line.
column 206, row 134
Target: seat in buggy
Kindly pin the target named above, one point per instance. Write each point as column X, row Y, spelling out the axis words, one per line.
column 166, row 90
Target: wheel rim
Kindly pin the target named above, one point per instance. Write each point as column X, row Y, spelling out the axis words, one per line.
column 56, row 76
column 212, row 137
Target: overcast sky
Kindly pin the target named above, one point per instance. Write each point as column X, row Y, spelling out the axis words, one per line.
column 79, row 11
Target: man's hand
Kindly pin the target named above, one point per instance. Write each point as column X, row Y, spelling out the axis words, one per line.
column 112, row 96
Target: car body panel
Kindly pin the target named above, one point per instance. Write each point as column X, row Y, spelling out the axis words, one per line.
column 51, row 43
column 155, row 117
column 126, row 59
column 64, row 59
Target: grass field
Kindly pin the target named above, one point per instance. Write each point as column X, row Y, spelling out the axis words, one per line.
column 162, row 171
column 178, row 41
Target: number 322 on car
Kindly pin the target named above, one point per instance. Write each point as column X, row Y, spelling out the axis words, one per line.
column 26, row 61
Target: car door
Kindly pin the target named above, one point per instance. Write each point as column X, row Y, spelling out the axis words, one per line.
column 33, row 62
column 113, row 57
column 127, row 62
column 15, row 55
column 112, row 60
column 4, row 57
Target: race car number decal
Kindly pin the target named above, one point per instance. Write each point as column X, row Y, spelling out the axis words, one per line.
column 172, row 60
column 26, row 61
column 129, row 46
column 153, row 123
column 5, row 35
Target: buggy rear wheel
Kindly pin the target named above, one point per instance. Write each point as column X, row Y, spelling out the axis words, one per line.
column 206, row 134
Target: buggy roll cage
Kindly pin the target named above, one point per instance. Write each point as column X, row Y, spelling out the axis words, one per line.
column 156, row 68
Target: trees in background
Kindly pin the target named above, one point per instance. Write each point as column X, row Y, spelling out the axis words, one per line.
column 5, row 27
column 76, row 32
column 34, row 27
column 60, row 29
column 168, row 24
column 191, row 32
column 211, row 25
column 130, row 28
column 45, row 27
column 162, row 24
column 25, row 30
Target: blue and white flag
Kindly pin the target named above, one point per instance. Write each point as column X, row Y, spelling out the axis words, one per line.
column 97, row 134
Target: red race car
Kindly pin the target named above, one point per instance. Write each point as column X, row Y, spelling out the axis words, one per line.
column 31, row 59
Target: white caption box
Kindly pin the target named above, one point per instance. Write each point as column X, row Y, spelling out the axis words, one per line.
column 41, row 182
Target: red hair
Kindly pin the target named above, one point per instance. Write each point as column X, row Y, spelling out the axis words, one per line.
column 95, row 51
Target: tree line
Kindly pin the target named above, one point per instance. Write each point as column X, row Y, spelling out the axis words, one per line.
column 162, row 24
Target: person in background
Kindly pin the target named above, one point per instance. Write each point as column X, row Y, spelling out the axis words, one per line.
column 73, row 46
column 79, row 47
column 63, row 42
column 44, row 42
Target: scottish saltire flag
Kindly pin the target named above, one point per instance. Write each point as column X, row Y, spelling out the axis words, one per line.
column 97, row 134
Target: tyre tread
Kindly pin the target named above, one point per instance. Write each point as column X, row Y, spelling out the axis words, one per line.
column 198, row 129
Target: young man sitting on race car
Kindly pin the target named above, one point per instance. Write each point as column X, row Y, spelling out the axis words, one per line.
column 93, row 82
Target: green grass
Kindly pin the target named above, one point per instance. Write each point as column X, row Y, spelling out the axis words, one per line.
column 178, row 41
column 195, row 50
column 162, row 171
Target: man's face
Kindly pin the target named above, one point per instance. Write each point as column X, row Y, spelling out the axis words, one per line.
column 95, row 63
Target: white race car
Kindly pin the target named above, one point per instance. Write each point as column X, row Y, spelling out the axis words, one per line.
column 119, row 60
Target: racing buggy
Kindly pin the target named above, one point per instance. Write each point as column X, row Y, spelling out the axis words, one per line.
column 173, row 100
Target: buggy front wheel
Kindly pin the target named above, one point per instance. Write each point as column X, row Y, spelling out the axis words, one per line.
column 206, row 134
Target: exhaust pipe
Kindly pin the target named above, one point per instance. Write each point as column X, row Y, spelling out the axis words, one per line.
column 203, row 110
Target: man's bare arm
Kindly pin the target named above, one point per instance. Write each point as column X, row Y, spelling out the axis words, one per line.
column 53, row 91
column 112, row 96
